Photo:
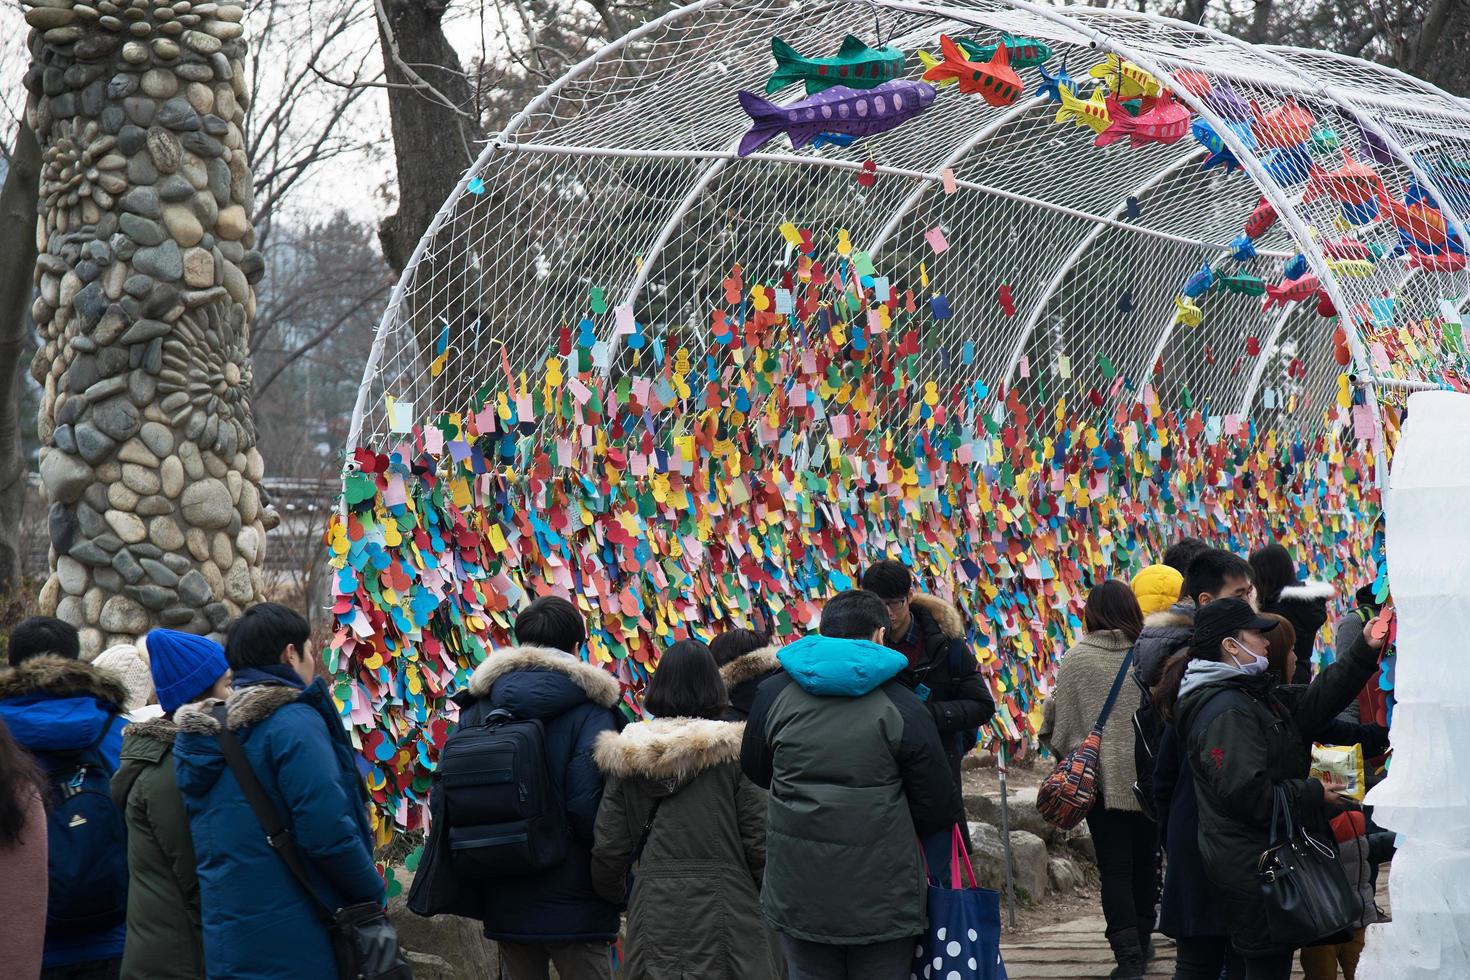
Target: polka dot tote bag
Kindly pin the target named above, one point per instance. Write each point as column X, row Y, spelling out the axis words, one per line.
column 964, row 927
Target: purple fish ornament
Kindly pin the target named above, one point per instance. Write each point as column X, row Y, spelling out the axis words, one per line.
column 1226, row 103
column 839, row 110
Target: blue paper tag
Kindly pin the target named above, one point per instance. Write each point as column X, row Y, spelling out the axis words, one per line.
column 923, row 692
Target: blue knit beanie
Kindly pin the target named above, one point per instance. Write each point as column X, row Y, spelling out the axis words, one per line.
column 184, row 666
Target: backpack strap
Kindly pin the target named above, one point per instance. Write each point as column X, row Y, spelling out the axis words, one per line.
column 1107, row 708
column 647, row 829
column 277, row 834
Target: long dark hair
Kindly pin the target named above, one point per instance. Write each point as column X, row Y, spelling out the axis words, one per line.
column 20, row 777
column 1273, row 570
column 1111, row 605
column 686, row 684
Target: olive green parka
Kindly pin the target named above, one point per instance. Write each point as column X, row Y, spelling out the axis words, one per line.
column 694, row 909
column 164, row 941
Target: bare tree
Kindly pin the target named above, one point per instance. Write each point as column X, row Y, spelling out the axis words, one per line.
column 18, row 231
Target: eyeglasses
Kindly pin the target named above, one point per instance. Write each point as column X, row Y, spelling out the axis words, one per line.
column 898, row 603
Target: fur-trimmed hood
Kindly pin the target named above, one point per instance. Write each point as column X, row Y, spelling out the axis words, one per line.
column 60, row 677
column 668, row 751
column 161, row 730
column 749, row 666
column 600, row 687
column 1308, row 591
column 245, row 706
column 1172, row 618
column 943, row 612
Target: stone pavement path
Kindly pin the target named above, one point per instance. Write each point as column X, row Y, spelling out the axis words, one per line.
column 1075, row 950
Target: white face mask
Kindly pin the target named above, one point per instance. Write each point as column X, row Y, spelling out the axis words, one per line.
column 1257, row 664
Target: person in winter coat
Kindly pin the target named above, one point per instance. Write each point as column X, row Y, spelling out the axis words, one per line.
column 941, row 667
column 1213, row 574
column 23, row 788
column 1126, row 840
column 1245, row 738
column 856, row 774
column 62, row 709
column 674, row 789
column 164, row 941
column 746, row 659
column 1304, row 604
column 1156, row 587
column 257, row 922
column 1359, row 849
column 555, row 916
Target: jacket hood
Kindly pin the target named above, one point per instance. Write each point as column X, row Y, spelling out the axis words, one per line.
column 157, row 730
column 665, row 753
column 749, row 666
column 1201, row 673
column 200, row 763
column 1178, row 616
column 58, row 677
column 830, row 666
column 943, row 612
column 52, row 704
column 536, row 682
column 1308, row 591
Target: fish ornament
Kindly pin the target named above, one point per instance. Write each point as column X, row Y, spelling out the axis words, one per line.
column 1290, row 291
column 1165, row 123
column 1022, row 52
column 1287, row 125
column 1125, row 79
column 1186, row 312
column 839, row 110
column 1092, row 113
column 994, row 80
column 1052, row 85
column 855, row 65
column 1353, row 183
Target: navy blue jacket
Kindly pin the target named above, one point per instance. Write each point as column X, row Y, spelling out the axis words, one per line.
column 258, row 923
column 52, row 704
column 576, row 702
column 1189, row 905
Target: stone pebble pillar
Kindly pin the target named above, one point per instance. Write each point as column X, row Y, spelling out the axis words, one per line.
column 146, row 267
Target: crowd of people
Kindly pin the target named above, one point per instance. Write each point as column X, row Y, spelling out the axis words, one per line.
column 1215, row 733
column 780, row 811
column 128, row 850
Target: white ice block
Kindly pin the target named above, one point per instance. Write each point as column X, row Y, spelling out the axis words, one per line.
column 1426, row 797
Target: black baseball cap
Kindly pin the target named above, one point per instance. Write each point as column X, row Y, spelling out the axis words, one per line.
column 1224, row 617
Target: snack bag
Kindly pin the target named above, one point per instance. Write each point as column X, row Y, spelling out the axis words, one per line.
column 1343, row 762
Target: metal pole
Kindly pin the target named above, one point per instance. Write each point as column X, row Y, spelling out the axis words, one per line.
column 1005, row 834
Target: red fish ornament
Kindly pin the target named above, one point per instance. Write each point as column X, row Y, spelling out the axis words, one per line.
column 1290, row 291
column 994, row 80
column 1166, row 122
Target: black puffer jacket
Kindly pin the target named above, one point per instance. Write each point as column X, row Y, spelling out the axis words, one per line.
column 957, row 695
column 1305, row 607
column 1164, row 634
column 1244, row 736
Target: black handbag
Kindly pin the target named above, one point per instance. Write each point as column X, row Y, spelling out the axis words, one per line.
column 364, row 941
column 1305, row 891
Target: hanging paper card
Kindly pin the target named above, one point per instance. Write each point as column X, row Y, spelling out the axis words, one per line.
column 939, row 306
column 785, row 305
column 1064, row 366
column 400, row 415
column 1023, row 366
column 935, row 237
column 625, row 324
column 946, row 178
column 1362, row 423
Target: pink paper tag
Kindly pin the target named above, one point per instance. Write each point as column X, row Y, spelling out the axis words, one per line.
column 1023, row 367
column 935, row 237
column 946, row 177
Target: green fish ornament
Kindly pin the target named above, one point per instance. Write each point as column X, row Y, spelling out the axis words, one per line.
column 1242, row 283
column 1024, row 52
column 855, row 65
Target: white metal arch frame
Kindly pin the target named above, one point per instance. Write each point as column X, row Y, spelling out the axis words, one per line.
column 1075, row 22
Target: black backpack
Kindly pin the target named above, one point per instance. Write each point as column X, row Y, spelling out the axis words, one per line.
column 1148, row 732
column 87, row 843
column 496, row 800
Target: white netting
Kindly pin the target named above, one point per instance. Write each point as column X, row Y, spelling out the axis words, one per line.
column 621, row 176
